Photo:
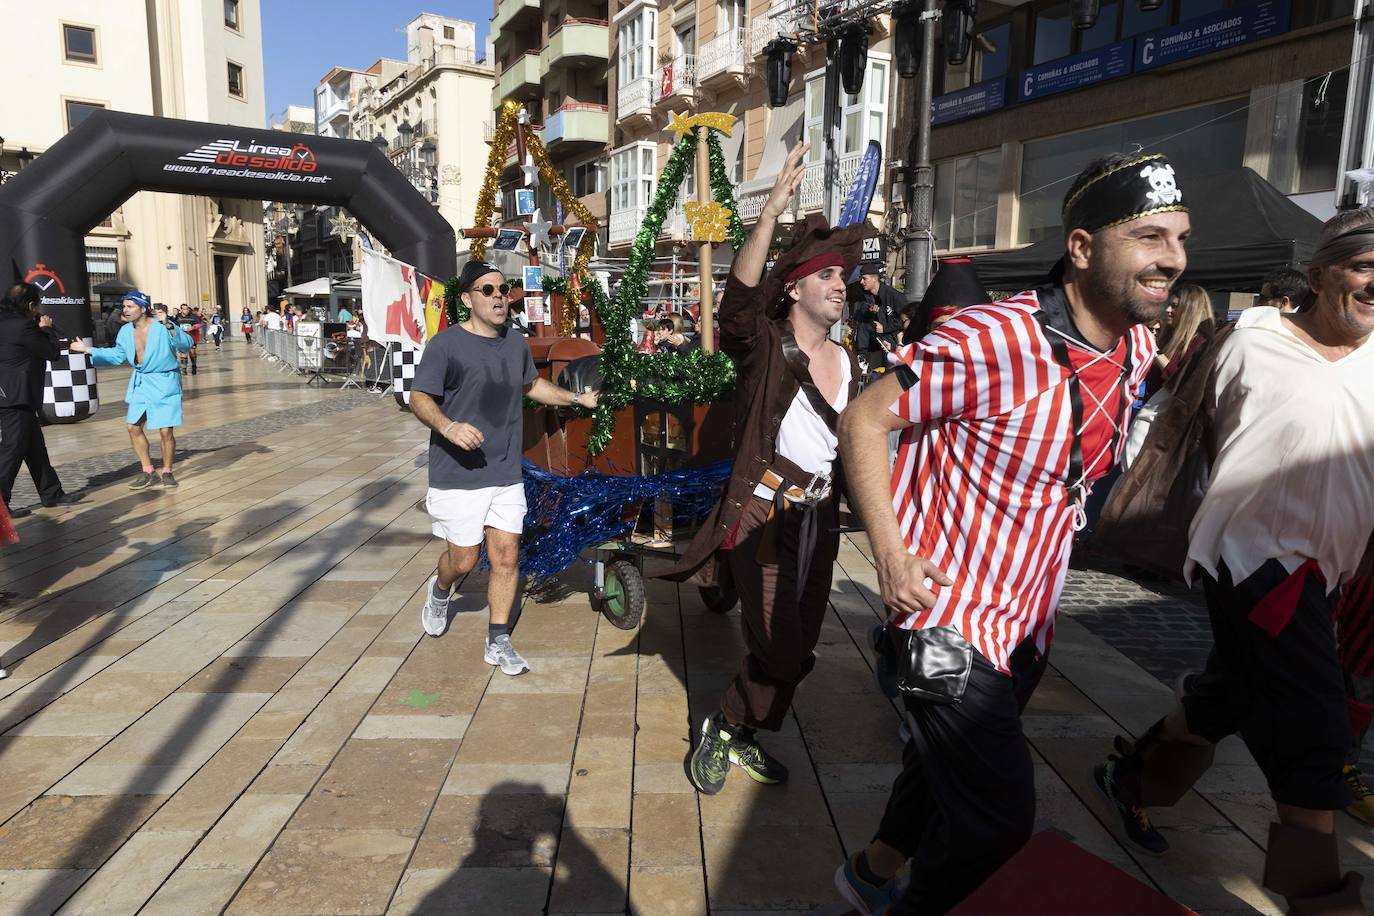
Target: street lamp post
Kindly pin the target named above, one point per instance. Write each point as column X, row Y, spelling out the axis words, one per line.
column 920, row 241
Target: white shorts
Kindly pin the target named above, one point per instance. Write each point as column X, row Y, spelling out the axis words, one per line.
column 460, row 516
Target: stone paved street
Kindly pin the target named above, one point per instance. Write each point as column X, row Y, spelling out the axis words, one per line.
column 221, row 700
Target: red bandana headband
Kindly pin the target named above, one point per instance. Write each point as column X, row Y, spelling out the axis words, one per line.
column 810, row 266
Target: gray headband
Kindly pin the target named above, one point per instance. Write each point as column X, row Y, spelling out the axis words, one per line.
column 1344, row 246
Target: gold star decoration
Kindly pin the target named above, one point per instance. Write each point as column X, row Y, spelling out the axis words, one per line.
column 682, row 124
column 710, row 221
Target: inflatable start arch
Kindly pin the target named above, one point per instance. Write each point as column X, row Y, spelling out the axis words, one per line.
column 47, row 209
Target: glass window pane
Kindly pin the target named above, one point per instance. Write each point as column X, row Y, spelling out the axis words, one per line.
column 1133, row 21
column 875, row 128
column 815, row 98
column 1319, row 139
column 851, row 133
column 1053, row 33
column 944, row 203
column 994, row 65
column 1200, row 141
column 985, row 216
column 80, row 43
column 1191, row 9
column 877, row 83
column 78, row 112
column 815, row 146
column 231, row 13
column 646, row 162
column 1104, row 31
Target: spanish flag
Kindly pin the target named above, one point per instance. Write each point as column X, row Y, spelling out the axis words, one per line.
column 436, row 316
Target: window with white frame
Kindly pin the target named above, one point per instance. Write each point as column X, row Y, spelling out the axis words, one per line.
column 636, row 45
column 686, row 40
column 632, row 177
column 863, row 117
column 588, row 178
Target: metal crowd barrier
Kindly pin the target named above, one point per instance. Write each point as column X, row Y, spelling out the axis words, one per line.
column 349, row 359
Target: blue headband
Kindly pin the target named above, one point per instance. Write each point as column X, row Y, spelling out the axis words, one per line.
column 139, row 299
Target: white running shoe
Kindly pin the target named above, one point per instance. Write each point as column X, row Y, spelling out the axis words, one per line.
column 434, row 615
column 501, row 653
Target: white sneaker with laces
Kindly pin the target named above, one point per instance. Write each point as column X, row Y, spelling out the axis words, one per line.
column 502, row 654
column 434, row 615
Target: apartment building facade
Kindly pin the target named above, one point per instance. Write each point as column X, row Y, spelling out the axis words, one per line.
column 553, row 58
column 709, row 56
column 199, row 60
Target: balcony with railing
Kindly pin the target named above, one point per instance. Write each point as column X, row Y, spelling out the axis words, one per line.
column 724, row 58
column 508, row 11
column 636, row 99
column 779, row 19
column 520, row 79
column 577, row 41
column 577, row 123
column 677, row 81
column 625, row 225
column 331, row 105
column 812, row 195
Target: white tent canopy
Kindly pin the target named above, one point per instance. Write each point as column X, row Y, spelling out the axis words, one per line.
column 317, row 287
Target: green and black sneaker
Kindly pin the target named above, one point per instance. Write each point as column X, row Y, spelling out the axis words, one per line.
column 710, row 762
column 747, row 754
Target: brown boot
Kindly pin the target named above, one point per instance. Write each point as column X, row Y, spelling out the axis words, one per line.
column 1304, row 866
column 1344, row 901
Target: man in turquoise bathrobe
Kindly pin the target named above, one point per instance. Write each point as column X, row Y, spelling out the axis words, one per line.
column 149, row 342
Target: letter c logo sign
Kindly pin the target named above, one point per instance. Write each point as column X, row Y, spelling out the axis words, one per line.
column 1147, row 52
column 1029, row 86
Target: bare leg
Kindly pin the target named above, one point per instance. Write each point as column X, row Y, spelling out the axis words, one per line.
column 455, row 562
column 169, row 447
column 1307, row 818
column 140, row 443
column 503, row 549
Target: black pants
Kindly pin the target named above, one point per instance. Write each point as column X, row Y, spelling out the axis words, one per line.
column 21, row 441
column 964, row 802
column 781, row 614
column 1285, row 695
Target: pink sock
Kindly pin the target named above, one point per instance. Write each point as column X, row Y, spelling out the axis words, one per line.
column 147, row 469
column 166, row 470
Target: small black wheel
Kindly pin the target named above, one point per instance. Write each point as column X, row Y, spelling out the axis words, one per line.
column 623, row 603
column 719, row 600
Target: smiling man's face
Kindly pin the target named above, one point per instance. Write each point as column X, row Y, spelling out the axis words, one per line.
column 1134, row 265
column 1345, row 291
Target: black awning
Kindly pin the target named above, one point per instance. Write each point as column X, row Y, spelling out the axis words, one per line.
column 1243, row 229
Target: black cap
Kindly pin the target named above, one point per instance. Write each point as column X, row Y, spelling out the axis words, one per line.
column 872, row 268
column 472, row 272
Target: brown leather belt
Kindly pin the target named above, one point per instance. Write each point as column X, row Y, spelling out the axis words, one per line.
column 795, row 483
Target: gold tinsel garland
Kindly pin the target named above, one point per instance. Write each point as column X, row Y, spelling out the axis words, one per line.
column 501, row 140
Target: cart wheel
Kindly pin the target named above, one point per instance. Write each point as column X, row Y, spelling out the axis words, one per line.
column 623, row 604
column 719, row 600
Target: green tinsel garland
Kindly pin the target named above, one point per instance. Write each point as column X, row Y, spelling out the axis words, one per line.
column 696, row 377
column 721, row 190
column 453, row 303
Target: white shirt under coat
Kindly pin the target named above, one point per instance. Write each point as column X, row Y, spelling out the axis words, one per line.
column 1294, row 472
column 803, row 437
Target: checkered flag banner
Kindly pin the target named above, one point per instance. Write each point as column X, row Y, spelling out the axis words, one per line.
column 69, row 388
column 403, row 363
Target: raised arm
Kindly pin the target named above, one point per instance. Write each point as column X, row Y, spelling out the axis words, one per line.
column 750, row 261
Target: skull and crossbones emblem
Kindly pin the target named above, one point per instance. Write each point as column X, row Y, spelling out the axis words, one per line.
column 1161, row 179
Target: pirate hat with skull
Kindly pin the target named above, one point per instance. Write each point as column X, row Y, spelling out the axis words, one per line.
column 1139, row 186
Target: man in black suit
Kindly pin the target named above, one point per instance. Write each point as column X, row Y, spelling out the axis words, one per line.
column 27, row 343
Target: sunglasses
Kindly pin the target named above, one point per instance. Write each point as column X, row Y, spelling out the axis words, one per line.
column 488, row 290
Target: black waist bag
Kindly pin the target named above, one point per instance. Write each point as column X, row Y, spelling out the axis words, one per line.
column 931, row 665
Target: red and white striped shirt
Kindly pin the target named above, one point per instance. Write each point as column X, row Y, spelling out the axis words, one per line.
column 979, row 485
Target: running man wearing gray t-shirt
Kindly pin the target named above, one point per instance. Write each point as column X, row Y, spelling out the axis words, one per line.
column 467, row 390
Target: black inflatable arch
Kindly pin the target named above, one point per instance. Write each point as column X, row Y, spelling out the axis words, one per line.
column 47, row 209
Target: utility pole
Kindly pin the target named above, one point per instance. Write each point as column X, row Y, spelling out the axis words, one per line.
column 920, row 242
column 1357, row 136
column 833, row 194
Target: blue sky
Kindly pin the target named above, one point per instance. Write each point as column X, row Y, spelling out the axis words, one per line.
column 302, row 39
